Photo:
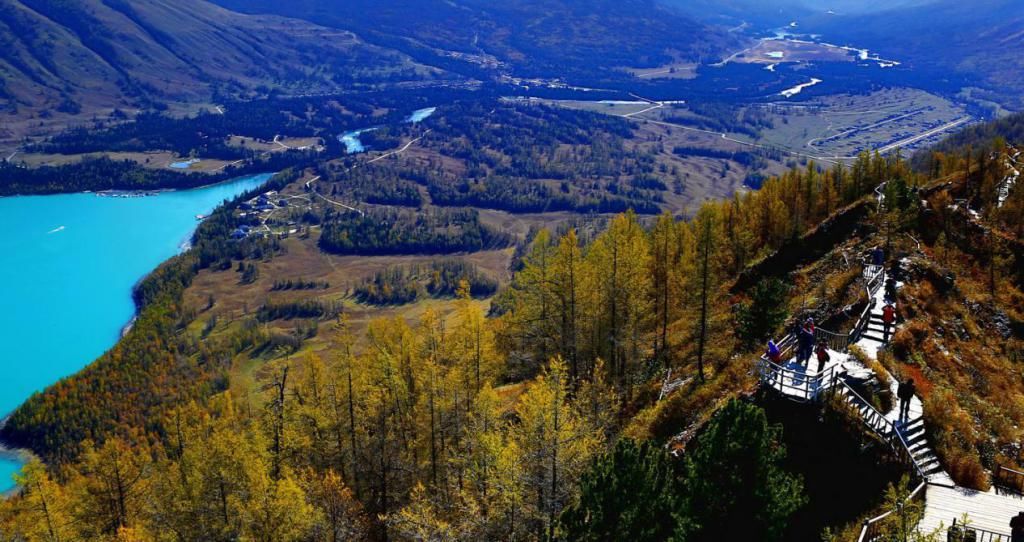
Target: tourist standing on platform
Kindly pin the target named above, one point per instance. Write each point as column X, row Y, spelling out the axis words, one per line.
column 1017, row 528
column 773, row 353
column 805, row 341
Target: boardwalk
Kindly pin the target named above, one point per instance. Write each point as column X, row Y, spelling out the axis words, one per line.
column 986, row 511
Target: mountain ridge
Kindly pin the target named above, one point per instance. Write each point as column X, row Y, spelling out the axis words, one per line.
column 76, row 58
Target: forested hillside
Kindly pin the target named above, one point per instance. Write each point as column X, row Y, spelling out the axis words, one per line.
column 464, row 428
column 533, row 38
column 78, row 58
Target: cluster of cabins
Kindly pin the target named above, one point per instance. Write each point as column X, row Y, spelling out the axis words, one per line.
column 258, row 207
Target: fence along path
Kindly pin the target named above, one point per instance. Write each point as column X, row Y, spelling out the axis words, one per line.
column 944, row 502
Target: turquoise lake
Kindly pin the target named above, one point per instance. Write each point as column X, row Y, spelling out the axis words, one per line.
column 70, row 262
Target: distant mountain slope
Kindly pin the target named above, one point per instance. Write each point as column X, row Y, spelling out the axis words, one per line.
column 545, row 38
column 982, row 39
column 65, row 57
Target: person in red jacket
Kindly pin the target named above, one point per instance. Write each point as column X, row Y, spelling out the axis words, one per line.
column 823, row 356
column 888, row 319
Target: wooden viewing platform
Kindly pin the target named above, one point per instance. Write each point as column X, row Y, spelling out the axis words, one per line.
column 945, row 504
column 988, row 513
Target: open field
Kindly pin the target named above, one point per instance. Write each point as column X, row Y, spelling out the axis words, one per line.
column 607, row 107
column 278, row 144
column 845, row 125
column 305, row 261
column 679, row 70
column 150, row 159
column 773, row 51
column 699, row 177
column 828, row 129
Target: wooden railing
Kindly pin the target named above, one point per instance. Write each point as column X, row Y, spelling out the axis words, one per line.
column 873, row 528
column 840, row 342
column 1009, row 480
column 880, row 196
column 883, row 427
column 798, row 385
column 967, row 533
column 874, row 279
column 862, row 321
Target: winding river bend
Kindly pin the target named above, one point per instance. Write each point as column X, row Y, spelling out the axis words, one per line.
column 69, row 263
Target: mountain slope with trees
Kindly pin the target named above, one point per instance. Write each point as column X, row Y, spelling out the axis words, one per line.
column 77, row 58
column 578, row 41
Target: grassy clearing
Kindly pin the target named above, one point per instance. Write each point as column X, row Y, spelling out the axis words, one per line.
column 304, row 261
column 676, row 70
column 700, row 178
column 609, row 107
column 845, row 125
column 282, row 143
column 793, row 51
column 149, row 159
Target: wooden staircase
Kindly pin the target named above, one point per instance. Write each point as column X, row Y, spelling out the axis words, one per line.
column 875, row 328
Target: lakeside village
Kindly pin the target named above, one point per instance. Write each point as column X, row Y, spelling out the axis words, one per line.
column 261, row 208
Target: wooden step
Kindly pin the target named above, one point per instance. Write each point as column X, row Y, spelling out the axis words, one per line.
column 916, row 421
column 911, row 432
column 919, row 447
column 918, row 439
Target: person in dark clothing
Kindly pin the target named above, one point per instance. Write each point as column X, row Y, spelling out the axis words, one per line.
column 1017, row 528
column 805, row 340
column 773, row 353
column 905, row 392
column 823, row 357
column 878, row 256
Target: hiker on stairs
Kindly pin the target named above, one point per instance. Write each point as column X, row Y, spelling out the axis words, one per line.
column 905, row 392
column 888, row 319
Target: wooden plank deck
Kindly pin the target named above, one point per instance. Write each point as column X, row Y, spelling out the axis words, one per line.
column 986, row 511
column 800, row 382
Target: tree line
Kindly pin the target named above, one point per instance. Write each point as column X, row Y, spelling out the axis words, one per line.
column 398, row 231
column 399, row 285
column 98, row 174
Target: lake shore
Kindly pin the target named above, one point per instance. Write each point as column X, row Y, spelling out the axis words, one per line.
column 113, row 244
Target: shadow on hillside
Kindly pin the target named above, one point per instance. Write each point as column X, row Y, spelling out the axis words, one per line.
column 843, row 478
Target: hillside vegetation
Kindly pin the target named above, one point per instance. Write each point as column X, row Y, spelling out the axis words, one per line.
column 74, row 59
column 462, row 427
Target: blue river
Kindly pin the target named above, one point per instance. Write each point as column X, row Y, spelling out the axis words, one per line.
column 354, row 145
column 69, row 264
